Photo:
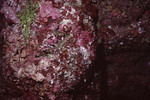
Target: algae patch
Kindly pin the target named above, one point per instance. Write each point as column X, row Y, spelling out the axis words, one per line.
column 27, row 16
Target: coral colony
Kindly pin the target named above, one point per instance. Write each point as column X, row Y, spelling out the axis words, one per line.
column 48, row 49
column 59, row 37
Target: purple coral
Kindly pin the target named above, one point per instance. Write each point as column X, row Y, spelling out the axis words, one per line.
column 47, row 10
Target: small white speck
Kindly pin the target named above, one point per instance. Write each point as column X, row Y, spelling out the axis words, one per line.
column 84, row 80
column 140, row 30
column 52, row 81
column 130, row 38
column 78, row 18
column 86, row 97
column 40, row 26
column 110, row 26
column 121, row 43
column 110, row 48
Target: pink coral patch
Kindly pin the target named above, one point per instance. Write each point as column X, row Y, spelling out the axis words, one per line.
column 47, row 10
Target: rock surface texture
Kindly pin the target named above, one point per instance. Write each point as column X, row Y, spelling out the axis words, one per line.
column 59, row 58
column 126, row 34
column 52, row 53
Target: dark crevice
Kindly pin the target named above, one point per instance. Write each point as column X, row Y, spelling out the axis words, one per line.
column 101, row 65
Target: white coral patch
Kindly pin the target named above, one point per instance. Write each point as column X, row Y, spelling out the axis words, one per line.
column 43, row 64
column 84, row 52
column 79, row 2
column 65, row 22
column 30, row 69
column 38, row 77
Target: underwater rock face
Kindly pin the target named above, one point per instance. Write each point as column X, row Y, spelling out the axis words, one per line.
column 59, row 49
column 125, row 30
column 124, row 27
column 124, row 24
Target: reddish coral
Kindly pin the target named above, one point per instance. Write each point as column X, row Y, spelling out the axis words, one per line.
column 47, row 10
column 58, row 51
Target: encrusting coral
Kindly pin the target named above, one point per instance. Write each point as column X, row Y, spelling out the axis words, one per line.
column 60, row 48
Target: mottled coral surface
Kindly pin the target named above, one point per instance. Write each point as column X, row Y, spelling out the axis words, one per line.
column 59, row 50
column 63, row 36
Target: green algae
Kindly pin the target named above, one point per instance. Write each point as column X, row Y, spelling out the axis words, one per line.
column 27, row 16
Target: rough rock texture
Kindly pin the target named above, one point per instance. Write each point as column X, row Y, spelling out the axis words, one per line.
column 122, row 58
column 126, row 36
column 124, row 24
column 55, row 53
